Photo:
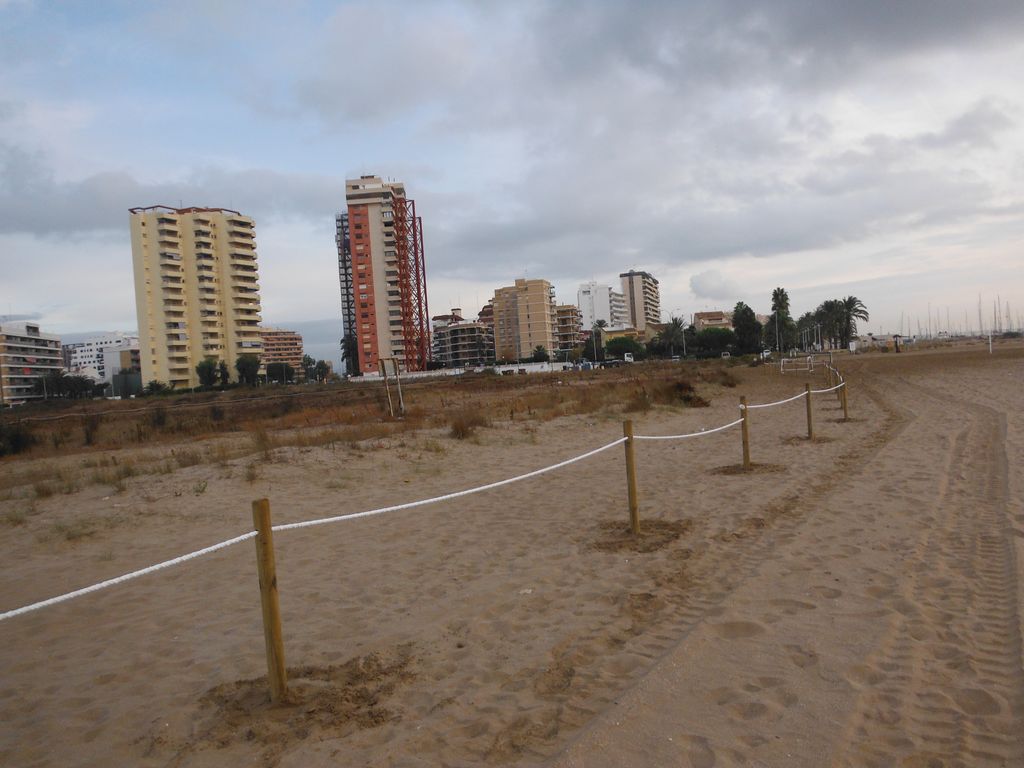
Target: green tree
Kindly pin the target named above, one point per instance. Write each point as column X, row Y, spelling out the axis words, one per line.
column 852, row 310
column 540, row 354
column 206, row 370
column 712, row 342
column 747, row 329
column 350, row 354
column 224, row 374
column 780, row 331
column 830, row 316
column 620, row 345
column 672, row 338
column 595, row 346
column 155, row 387
column 308, row 364
column 248, row 367
column 321, row 370
column 280, row 372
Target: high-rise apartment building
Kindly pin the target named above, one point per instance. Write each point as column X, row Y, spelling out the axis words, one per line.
column 643, row 299
column 197, row 291
column 524, row 319
column 383, row 277
column 26, row 355
column 600, row 302
column 281, row 346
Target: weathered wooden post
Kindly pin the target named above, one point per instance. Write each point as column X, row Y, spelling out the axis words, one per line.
column 631, row 485
column 267, row 571
column 810, row 423
column 745, row 432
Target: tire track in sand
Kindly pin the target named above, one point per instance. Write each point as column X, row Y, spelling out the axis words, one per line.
column 949, row 684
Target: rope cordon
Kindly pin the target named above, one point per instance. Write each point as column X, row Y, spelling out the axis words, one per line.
column 772, row 405
column 691, row 434
column 289, row 526
column 830, row 389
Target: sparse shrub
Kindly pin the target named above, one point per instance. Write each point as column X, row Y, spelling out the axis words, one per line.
column 199, row 488
column 464, row 424
column 90, row 427
column 158, row 417
column 15, row 517
column 73, row 531
column 216, row 413
column 15, row 437
column 640, row 401
column 43, row 490
column 187, row 457
column 262, row 442
column 251, row 472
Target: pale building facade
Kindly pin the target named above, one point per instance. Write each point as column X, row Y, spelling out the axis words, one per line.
column 524, row 319
column 26, row 355
column 382, row 274
column 642, row 299
column 197, row 292
column 90, row 357
column 600, row 302
column 716, row 318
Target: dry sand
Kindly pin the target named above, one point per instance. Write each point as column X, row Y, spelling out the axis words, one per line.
column 855, row 601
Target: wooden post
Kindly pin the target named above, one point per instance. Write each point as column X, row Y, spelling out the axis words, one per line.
column 268, row 598
column 846, row 410
column 810, row 423
column 634, row 502
column 744, row 430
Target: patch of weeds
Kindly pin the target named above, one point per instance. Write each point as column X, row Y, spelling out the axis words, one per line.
column 199, row 488
column 262, row 442
column 187, row 457
column 464, row 424
column 74, row 531
column 639, row 402
column 251, row 472
column 14, row 517
column 43, row 490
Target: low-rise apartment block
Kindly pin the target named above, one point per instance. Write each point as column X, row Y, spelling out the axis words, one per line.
column 26, row 355
column 461, row 343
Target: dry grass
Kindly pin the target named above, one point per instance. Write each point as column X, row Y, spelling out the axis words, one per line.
column 464, row 424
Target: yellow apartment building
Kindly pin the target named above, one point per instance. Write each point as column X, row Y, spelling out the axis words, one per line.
column 197, row 292
column 524, row 319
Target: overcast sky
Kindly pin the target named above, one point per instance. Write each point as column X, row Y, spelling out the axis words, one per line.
column 872, row 148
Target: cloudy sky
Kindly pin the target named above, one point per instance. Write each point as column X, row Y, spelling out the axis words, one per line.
column 873, row 148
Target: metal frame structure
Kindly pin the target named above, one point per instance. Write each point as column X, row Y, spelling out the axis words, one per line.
column 348, row 306
column 412, row 284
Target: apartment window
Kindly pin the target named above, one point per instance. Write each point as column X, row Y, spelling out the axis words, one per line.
column 363, row 296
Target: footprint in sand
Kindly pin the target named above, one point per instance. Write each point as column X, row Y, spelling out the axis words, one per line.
column 801, row 657
column 974, row 701
column 792, row 607
column 826, row 592
column 734, row 630
column 698, row 751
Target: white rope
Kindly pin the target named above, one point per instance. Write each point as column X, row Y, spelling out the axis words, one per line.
column 125, row 577
column 830, row 389
column 445, row 497
column 777, row 402
column 692, row 434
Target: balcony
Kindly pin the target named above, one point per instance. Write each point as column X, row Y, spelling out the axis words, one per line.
column 242, row 255
column 199, row 233
column 170, row 256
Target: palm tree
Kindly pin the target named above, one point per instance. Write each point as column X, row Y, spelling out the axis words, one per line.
column 673, row 335
column 595, row 332
column 829, row 315
column 780, row 300
column 852, row 309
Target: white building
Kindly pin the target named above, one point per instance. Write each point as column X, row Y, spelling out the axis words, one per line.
column 600, row 302
column 97, row 357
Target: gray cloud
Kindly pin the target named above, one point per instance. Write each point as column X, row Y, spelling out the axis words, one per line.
column 712, row 284
column 33, row 201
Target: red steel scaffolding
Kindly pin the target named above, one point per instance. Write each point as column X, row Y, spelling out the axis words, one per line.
column 412, row 284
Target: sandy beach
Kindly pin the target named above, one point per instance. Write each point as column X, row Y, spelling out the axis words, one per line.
column 854, row 600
